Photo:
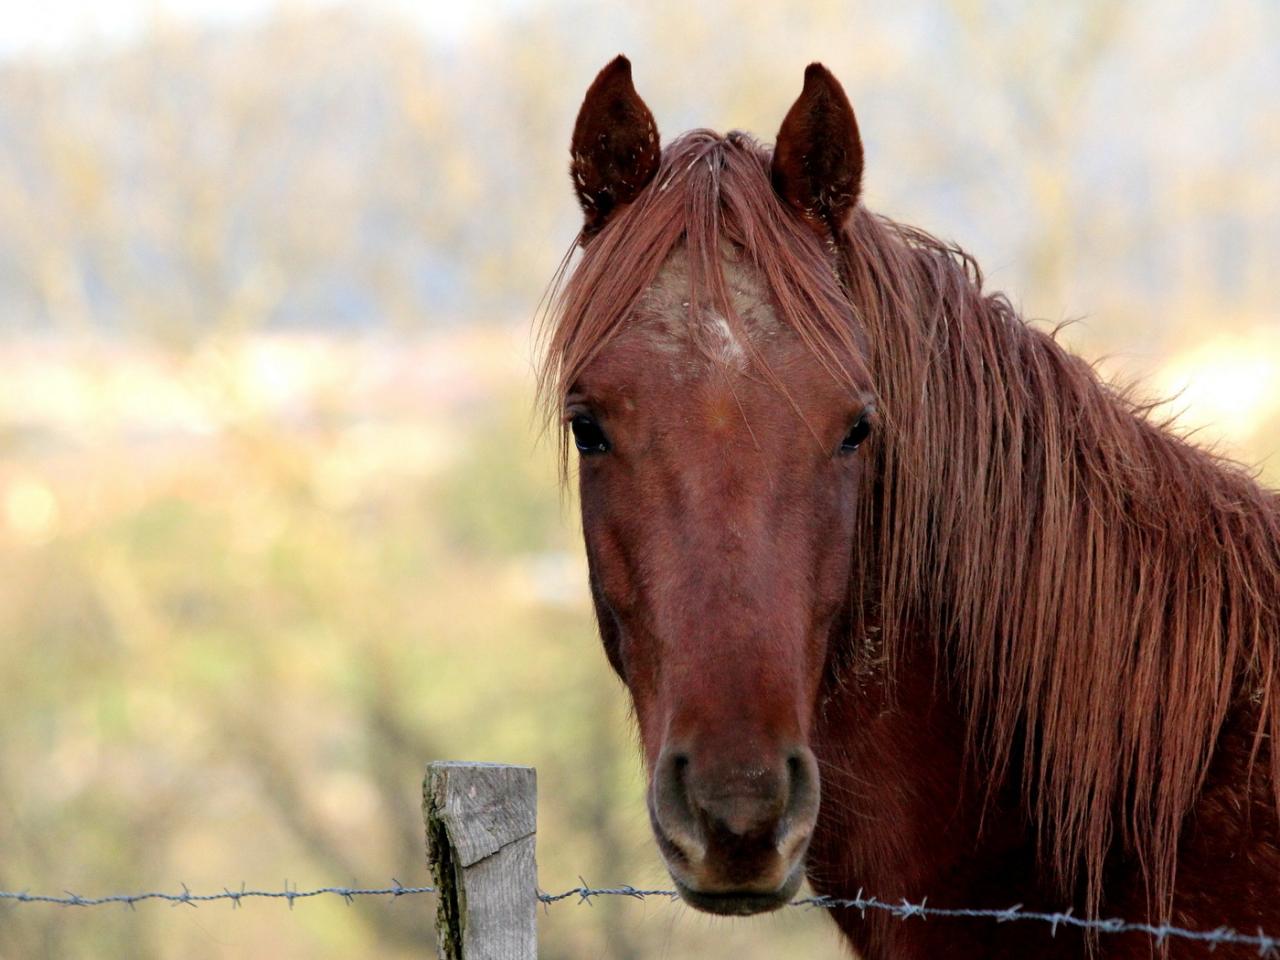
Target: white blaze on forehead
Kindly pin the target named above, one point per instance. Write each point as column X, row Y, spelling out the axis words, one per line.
column 730, row 349
column 669, row 323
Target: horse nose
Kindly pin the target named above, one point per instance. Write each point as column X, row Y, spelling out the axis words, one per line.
column 742, row 821
column 747, row 802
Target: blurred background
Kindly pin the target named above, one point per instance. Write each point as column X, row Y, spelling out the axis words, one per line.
column 276, row 526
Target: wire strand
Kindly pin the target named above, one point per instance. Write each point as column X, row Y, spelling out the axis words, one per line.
column 1267, row 945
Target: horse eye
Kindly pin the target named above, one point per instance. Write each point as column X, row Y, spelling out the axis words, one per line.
column 860, row 430
column 587, row 436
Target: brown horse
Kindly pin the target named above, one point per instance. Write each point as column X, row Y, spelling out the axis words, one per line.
column 906, row 599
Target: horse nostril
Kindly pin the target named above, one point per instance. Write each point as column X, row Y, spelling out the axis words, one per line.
column 802, row 800
column 677, row 786
column 677, row 777
column 802, row 776
column 673, row 809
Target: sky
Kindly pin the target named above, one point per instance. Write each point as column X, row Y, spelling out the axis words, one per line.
column 59, row 27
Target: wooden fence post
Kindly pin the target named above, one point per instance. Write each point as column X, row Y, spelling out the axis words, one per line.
column 481, row 824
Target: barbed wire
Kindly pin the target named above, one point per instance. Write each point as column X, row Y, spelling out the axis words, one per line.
column 1266, row 944
column 397, row 889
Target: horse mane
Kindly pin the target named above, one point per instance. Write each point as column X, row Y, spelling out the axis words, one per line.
column 1106, row 593
column 1109, row 591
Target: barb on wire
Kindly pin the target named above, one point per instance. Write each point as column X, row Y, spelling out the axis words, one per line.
column 1267, row 945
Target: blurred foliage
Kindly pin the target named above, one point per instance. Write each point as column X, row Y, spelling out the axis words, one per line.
column 276, row 526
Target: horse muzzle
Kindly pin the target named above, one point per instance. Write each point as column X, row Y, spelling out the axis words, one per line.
column 734, row 836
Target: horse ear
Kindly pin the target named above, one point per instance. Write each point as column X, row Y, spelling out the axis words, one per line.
column 817, row 162
column 615, row 146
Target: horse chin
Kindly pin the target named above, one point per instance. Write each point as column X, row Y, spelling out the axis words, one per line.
column 744, row 902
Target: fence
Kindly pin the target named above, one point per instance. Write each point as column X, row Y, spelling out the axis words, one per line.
column 481, row 821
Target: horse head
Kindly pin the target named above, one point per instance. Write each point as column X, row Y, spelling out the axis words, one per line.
column 712, row 381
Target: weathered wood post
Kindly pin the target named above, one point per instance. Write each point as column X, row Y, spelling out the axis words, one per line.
column 481, row 821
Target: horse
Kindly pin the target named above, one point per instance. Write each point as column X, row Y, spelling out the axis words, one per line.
column 909, row 602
